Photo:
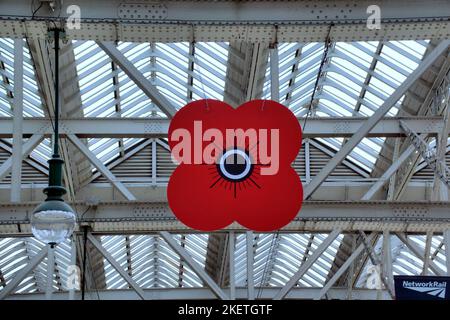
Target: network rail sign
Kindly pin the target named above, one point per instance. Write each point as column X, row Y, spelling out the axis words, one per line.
column 422, row 288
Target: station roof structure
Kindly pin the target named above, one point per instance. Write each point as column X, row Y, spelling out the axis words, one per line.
column 373, row 104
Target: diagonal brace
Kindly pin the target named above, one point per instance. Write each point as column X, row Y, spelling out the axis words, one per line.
column 101, row 167
column 116, row 266
column 142, row 82
column 194, row 265
column 308, row 263
column 24, row 272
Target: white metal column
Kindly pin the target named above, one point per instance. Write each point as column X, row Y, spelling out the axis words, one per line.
column 447, row 250
column 73, row 262
column 16, row 177
column 387, row 259
column 50, row 271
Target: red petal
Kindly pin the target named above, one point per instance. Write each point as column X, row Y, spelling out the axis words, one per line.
column 267, row 114
column 196, row 202
column 274, row 205
column 212, row 114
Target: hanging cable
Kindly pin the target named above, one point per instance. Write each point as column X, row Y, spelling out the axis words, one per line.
column 34, row 11
column 327, row 46
column 269, row 259
column 195, row 63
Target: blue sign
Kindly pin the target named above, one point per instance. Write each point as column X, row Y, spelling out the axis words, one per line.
column 422, row 288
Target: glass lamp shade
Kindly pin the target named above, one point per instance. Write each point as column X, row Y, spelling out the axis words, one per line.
column 53, row 221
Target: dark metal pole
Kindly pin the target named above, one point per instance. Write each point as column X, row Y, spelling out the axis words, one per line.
column 55, row 190
column 56, row 144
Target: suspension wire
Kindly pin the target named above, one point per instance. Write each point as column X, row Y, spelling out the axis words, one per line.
column 322, row 63
column 272, row 248
column 199, row 68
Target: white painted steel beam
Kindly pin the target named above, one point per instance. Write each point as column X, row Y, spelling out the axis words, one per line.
column 16, row 176
column 205, row 293
column 288, row 21
column 388, row 173
column 146, row 128
column 319, row 216
column 447, row 250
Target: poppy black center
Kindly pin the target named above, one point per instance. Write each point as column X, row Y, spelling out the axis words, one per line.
column 235, row 165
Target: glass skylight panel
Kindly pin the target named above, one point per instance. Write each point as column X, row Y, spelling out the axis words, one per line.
column 355, row 53
column 152, row 262
column 115, row 245
column 350, row 70
column 15, row 253
column 42, row 152
column 374, row 94
column 210, row 61
column 95, row 79
column 198, row 252
column 405, row 64
column 32, row 101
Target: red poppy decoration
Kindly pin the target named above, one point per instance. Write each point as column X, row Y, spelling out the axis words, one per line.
column 235, row 165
